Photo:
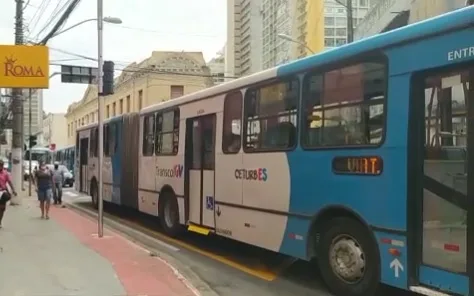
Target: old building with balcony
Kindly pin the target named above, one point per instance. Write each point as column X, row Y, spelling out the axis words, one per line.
column 161, row 77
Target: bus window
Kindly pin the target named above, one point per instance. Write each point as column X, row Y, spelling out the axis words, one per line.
column 106, row 140
column 167, row 133
column 271, row 117
column 148, row 135
column 231, row 136
column 94, row 144
column 344, row 107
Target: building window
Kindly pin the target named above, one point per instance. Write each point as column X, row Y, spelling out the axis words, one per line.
column 341, row 21
column 329, row 42
column 329, row 31
column 271, row 117
column 340, row 41
column 140, row 100
column 121, row 106
column 82, row 121
column 341, row 32
column 128, row 104
column 93, row 117
column 176, row 91
column 362, row 2
column 329, row 21
column 167, row 133
column 107, row 112
column 344, row 107
column 114, row 110
column 87, row 119
column 231, row 132
column 148, row 135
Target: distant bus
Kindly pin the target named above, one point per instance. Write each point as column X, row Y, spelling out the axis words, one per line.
column 66, row 156
column 357, row 156
column 37, row 154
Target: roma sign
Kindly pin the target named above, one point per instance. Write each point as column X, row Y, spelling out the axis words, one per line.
column 24, row 66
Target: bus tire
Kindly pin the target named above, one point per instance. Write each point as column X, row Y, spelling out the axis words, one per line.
column 95, row 195
column 346, row 243
column 168, row 211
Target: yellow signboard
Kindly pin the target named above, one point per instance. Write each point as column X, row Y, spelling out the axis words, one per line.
column 24, row 66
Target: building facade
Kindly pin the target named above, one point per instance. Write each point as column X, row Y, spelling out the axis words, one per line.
column 55, row 130
column 161, row 77
column 217, row 67
column 277, row 18
column 36, row 112
column 244, row 37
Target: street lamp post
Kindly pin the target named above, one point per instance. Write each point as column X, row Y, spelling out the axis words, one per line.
column 107, row 19
column 291, row 39
column 100, row 201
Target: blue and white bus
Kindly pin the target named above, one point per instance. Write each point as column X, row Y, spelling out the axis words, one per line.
column 357, row 156
column 66, row 156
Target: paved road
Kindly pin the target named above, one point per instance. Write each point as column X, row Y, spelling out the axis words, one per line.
column 229, row 267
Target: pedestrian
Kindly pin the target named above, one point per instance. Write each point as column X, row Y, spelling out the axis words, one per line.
column 58, row 180
column 5, row 196
column 43, row 181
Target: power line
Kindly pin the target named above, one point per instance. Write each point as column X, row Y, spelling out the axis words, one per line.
column 57, row 9
column 62, row 20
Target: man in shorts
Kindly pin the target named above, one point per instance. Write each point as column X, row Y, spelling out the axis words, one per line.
column 5, row 180
column 43, row 182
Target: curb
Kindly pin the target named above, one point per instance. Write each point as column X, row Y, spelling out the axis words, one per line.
column 155, row 248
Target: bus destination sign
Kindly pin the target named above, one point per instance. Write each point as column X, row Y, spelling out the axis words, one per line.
column 358, row 165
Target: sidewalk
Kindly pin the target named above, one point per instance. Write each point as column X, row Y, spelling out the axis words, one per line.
column 63, row 256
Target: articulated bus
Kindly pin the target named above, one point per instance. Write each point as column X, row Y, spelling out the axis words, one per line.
column 357, row 156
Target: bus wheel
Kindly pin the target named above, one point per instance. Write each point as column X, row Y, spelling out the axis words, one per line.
column 95, row 195
column 169, row 214
column 348, row 258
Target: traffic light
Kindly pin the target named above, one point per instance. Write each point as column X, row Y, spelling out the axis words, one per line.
column 33, row 141
column 108, row 78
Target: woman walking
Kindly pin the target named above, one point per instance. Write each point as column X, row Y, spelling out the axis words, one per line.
column 43, row 182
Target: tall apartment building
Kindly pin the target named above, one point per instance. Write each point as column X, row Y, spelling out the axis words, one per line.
column 244, row 37
column 322, row 25
column 277, row 18
column 36, row 113
column 335, row 20
column 55, row 130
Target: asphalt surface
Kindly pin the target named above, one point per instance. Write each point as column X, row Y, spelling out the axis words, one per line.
column 226, row 266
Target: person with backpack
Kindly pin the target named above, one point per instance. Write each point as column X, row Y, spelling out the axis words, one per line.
column 5, row 181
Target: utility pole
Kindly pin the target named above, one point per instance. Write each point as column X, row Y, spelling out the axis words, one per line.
column 100, row 102
column 350, row 22
column 29, row 141
column 17, row 110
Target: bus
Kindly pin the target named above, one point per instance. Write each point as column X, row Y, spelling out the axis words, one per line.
column 357, row 156
column 37, row 154
column 66, row 156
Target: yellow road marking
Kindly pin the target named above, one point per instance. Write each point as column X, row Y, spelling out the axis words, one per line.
column 263, row 273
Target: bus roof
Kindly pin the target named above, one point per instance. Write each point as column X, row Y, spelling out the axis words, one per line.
column 458, row 19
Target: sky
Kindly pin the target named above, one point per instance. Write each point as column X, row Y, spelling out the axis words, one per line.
column 147, row 25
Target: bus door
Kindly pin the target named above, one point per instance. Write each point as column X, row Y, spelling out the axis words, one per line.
column 441, row 211
column 83, row 150
column 200, row 163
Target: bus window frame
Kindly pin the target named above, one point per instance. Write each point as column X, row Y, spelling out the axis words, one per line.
column 244, row 126
column 375, row 57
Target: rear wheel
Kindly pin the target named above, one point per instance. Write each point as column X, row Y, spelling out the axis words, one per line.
column 169, row 214
column 348, row 258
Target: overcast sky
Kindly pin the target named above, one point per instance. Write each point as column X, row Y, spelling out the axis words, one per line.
column 148, row 25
